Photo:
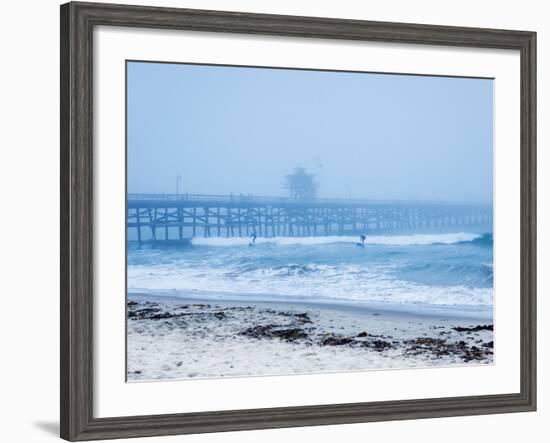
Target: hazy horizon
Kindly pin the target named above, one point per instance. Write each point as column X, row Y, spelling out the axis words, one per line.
column 240, row 130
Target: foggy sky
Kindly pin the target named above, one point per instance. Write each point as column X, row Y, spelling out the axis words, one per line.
column 240, row 130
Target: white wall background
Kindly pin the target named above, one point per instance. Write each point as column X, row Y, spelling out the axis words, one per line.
column 29, row 187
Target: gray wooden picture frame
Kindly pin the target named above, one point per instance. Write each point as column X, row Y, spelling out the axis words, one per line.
column 77, row 23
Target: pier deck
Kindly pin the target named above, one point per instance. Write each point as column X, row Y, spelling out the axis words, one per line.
column 178, row 216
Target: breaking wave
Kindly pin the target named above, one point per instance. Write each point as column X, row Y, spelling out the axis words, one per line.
column 394, row 240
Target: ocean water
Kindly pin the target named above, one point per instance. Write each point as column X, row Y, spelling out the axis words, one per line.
column 441, row 269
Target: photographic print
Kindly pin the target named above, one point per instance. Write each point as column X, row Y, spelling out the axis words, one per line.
column 293, row 221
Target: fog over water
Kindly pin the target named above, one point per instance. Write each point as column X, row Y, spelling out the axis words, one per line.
column 240, row 130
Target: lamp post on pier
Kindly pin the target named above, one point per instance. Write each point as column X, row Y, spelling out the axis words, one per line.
column 178, row 180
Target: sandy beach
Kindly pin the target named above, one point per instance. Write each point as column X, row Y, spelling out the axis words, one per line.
column 180, row 338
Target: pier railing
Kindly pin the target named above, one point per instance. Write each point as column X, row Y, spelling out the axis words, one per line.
column 248, row 198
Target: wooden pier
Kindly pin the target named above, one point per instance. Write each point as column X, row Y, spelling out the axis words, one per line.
column 179, row 216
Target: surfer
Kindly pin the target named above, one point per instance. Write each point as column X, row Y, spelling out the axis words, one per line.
column 362, row 239
column 252, row 240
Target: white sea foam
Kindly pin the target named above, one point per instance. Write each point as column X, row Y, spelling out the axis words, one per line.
column 394, row 240
column 351, row 284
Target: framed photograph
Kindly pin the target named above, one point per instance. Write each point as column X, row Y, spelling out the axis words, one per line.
column 272, row 221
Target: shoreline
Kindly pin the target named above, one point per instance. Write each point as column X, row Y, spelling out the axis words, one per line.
column 463, row 312
column 179, row 338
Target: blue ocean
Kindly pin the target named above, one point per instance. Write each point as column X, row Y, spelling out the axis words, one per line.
column 453, row 269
